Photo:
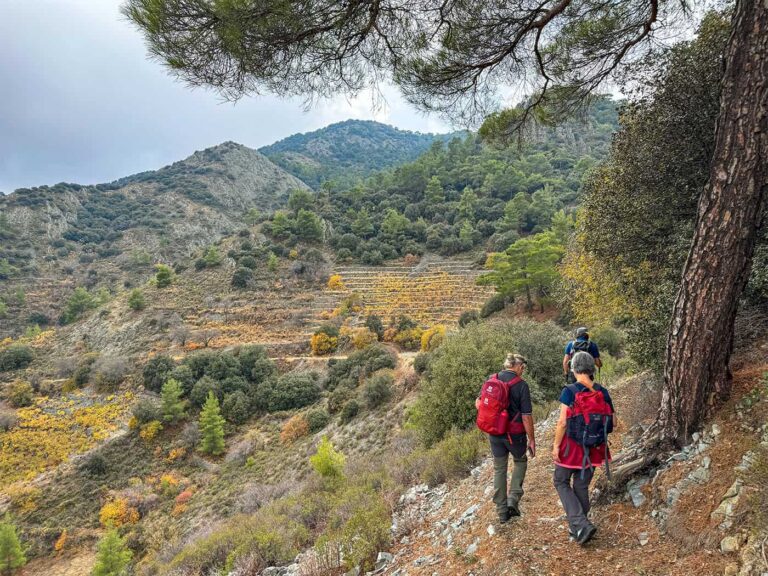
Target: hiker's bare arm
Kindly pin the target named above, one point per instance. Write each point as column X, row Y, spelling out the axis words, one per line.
column 565, row 364
column 530, row 432
column 559, row 431
column 598, row 363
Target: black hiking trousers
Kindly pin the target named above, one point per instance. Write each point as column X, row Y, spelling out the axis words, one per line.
column 574, row 494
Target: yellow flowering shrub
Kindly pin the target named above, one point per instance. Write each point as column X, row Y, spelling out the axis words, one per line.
column 362, row 338
column 170, row 484
column 323, row 344
column 335, row 282
column 52, row 430
column 409, row 339
column 176, row 454
column 432, row 338
column 117, row 512
column 150, row 430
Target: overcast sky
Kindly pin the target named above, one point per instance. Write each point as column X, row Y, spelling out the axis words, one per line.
column 80, row 102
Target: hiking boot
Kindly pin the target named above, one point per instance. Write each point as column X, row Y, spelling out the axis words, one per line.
column 513, row 511
column 585, row 534
column 504, row 516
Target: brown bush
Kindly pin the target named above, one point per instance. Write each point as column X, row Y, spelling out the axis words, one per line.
column 295, row 428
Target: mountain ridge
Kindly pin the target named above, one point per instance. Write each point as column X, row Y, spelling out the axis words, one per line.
column 349, row 150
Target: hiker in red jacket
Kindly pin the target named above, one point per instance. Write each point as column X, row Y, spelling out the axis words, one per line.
column 516, row 438
column 586, row 418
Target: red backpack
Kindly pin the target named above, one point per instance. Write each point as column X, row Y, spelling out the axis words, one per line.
column 492, row 415
column 590, row 422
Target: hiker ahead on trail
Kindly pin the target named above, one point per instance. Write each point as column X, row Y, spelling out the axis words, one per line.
column 581, row 343
column 581, row 443
column 504, row 412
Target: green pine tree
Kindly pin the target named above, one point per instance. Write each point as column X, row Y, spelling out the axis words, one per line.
column 113, row 557
column 136, row 300
column 468, row 204
column 434, row 192
column 211, row 427
column 173, row 405
column 164, row 276
column 362, row 225
column 272, row 262
column 11, row 555
column 528, row 267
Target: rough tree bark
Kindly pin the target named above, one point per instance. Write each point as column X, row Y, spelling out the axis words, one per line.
column 700, row 340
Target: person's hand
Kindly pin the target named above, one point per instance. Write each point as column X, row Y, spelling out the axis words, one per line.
column 532, row 448
column 556, row 453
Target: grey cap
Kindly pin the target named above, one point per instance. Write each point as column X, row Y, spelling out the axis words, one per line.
column 583, row 363
column 581, row 331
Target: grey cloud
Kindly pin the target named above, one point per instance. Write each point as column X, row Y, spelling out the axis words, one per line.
column 80, row 102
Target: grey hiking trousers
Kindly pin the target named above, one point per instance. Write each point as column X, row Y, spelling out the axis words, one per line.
column 574, row 494
column 501, row 448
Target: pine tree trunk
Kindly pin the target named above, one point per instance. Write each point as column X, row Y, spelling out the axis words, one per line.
column 700, row 339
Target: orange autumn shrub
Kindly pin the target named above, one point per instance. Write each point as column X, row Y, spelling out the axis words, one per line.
column 61, row 541
column 117, row 512
column 295, row 428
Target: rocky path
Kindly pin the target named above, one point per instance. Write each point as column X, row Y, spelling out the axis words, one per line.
column 678, row 522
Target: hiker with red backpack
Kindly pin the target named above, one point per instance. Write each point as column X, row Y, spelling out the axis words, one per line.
column 581, row 343
column 581, row 443
column 505, row 413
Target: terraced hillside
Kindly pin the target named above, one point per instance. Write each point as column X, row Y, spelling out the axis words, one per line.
column 432, row 292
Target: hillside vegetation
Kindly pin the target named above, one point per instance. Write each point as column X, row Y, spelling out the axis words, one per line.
column 346, row 151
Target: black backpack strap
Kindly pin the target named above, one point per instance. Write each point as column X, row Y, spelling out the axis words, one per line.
column 511, row 384
column 575, row 389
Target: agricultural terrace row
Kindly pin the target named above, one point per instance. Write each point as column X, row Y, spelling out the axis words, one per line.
column 431, row 294
column 282, row 313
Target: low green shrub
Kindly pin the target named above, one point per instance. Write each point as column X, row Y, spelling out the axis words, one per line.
column 290, row 391
column 236, row 408
column 377, row 390
column 327, row 461
column 338, row 398
column 468, row 317
column 468, row 357
column 359, row 527
column 147, row 410
column 318, row 419
column 19, row 394
column 421, row 362
column 349, row 411
column 450, row 459
column 495, row 303
column 200, row 390
column 270, row 540
column 15, row 357
column 358, row 366
column 156, row 371
column 608, row 339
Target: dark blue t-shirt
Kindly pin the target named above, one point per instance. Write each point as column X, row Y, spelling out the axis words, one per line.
column 593, row 351
column 567, row 396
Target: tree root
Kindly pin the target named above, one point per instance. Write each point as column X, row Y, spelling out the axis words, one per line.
column 637, row 457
